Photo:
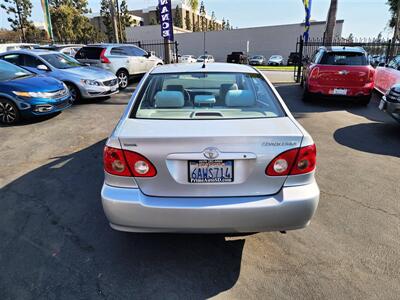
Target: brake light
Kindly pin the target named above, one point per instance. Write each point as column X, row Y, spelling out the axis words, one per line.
column 314, row 73
column 293, row 162
column 127, row 163
column 103, row 58
column 371, row 75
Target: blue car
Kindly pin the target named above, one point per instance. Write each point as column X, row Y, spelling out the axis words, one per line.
column 24, row 94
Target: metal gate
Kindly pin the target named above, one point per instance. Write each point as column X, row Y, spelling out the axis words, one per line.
column 159, row 48
column 384, row 50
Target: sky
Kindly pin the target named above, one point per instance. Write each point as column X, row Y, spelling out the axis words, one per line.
column 363, row 18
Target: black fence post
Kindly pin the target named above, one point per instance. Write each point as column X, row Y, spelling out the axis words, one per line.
column 388, row 51
column 176, row 52
column 300, row 62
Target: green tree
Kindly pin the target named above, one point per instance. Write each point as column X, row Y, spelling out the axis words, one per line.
column 19, row 12
column 350, row 38
column 223, row 24
column 178, row 22
column 228, row 25
column 394, row 7
column 124, row 19
column 105, row 14
column 194, row 4
column 203, row 17
column 196, row 27
column 188, row 23
column 211, row 25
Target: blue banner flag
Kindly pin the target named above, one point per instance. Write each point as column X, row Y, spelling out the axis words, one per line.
column 167, row 28
column 307, row 7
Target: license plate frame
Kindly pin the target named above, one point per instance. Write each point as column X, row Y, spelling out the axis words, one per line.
column 211, row 164
column 339, row 92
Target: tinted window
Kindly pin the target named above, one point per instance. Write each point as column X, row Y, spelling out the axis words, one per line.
column 344, row 59
column 12, row 58
column 9, row 71
column 89, row 53
column 119, row 51
column 190, row 96
column 134, row 51
column 30, row 61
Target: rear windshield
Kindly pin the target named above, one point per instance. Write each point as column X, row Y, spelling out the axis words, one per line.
column 344, row 59
column 89, row 53
column 188, row 96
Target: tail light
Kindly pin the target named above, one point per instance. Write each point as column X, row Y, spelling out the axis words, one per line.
column 103, row 58
column 371, row 75
column 127, row 163
column 314, row 73
column 293, row 162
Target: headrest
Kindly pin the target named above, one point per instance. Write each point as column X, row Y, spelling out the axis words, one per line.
column 239, row 98
column 169, row 99
column 204, row 99
column 229, row 86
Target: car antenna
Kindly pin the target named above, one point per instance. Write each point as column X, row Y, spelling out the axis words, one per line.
column 204, row 48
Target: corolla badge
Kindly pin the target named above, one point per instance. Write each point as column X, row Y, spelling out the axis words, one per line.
column 211, row 153
column 343, row 72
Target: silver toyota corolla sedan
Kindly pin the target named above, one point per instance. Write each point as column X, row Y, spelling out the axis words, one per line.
column 211, row 149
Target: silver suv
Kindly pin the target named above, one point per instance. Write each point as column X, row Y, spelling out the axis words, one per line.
column 123, row 60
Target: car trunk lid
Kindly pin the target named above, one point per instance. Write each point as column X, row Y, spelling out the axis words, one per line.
column 171, row 145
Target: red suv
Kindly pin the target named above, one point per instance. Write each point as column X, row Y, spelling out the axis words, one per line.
column 339, row 72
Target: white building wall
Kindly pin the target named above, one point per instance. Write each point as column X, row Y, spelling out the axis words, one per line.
column 267, row 41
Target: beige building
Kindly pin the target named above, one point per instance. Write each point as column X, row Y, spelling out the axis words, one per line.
column 190, row 19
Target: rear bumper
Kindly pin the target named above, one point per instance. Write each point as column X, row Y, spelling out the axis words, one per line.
column 128, row 209
column 351, row 91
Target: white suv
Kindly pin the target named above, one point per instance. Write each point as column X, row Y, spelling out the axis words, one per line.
column 123, row 60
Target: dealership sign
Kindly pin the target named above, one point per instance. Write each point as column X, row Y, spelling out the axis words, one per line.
column 167, row 29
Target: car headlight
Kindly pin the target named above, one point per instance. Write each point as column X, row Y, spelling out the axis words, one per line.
column 32, row 94
column 90, row 82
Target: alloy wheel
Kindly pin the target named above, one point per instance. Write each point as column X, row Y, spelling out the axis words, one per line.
column 123, row 80
column 8, row 113
column 73, row 93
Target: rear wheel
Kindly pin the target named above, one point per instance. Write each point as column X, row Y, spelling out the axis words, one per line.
column 9, row 113
column 123, row 78
column 74, row 91
column 307, row 97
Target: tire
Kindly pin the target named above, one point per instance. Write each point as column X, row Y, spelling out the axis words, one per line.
column 307, row 97
column 364, row 101
column 9, row 113
column 123, row 79
column 74, row 91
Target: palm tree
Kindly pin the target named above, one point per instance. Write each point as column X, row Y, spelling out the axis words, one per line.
column 330, row 23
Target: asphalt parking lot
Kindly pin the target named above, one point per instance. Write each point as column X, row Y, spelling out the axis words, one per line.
column 55, row 242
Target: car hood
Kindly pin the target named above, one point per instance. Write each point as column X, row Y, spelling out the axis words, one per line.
column 90, row 73
column 275, row 59
column 32, row 84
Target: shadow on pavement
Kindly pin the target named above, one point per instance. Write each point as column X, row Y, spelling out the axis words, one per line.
column 378, row 138
column 292, row 95
column 55, row 243
column 33, row 120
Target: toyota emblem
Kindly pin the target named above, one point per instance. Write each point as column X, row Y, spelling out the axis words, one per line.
column 211, row 153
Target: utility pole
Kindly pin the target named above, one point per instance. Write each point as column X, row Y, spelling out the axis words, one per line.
column 119, row 23
column 20, row 21
column 114, row 21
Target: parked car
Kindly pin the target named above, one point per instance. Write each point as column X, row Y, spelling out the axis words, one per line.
column 341, row 72
column 206, row 58
column 275, row 60
column 83, row 81
column 211, row 149
column 257, row 60
column 237, row 58
column 294, row 59
column 387, row 75
column 69, row 49
column 24, row 94
column 187, row 59
column 123, row 60
column 390, row 102
column 17, row 46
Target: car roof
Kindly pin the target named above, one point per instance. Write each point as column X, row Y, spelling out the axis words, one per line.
column 110, row 45
column 197, row 68
column 343, row 49
column 30, row 51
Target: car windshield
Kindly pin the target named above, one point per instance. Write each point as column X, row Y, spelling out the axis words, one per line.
column 257, row 57
column 61, row 61
column 344, row 59
column 9, row 71
column 211, row 95
column 203, row 57
column 276, row 57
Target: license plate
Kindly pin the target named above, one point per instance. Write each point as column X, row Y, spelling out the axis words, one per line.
column 342, row 92
column 210, row 171
column 382, row 105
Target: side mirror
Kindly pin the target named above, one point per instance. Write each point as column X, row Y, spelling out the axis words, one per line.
column 42, row 68
column 148, row 54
